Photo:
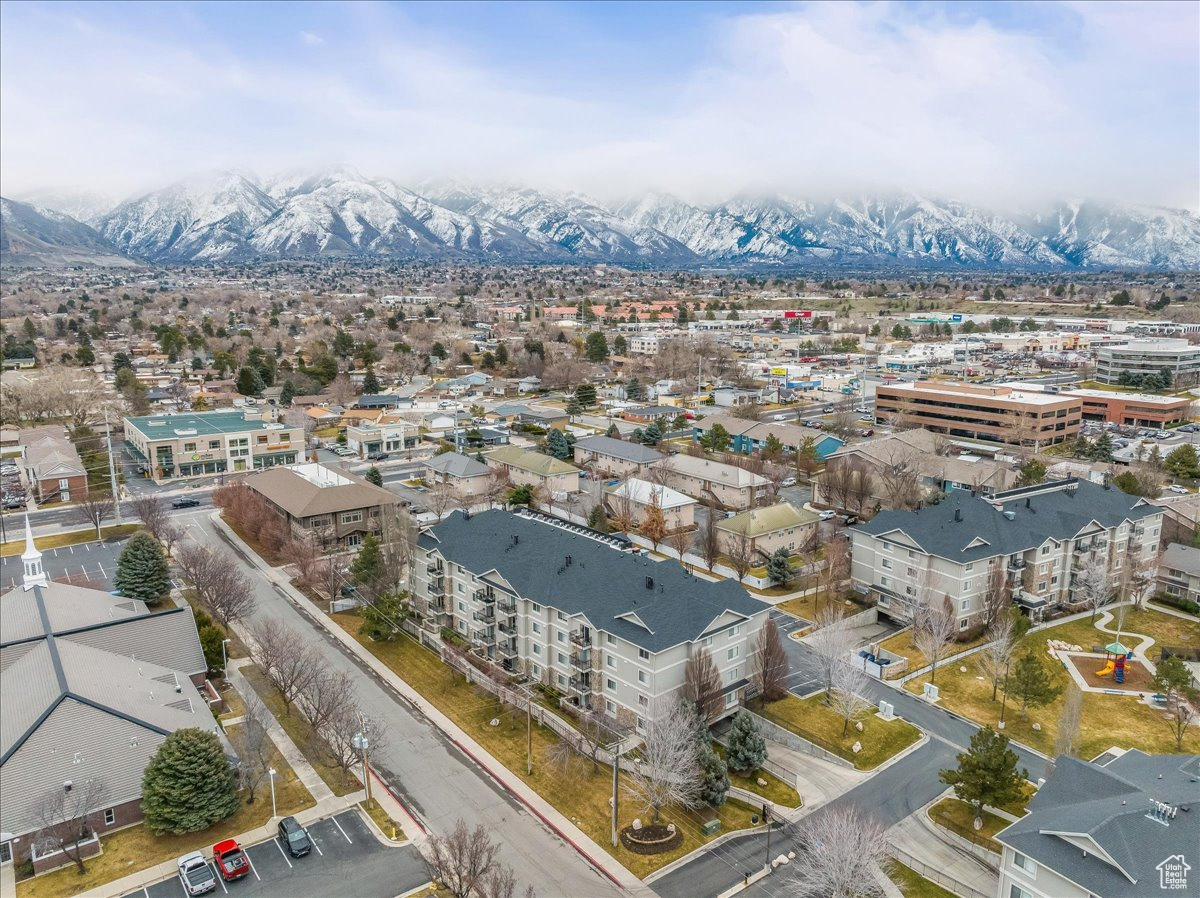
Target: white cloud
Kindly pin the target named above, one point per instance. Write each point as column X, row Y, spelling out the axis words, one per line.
column 813, row 99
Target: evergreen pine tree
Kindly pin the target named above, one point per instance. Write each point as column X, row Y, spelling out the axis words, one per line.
column 373, row 476
column 249, row 381
column 287, row 394
column 1031, row 683
column 714, row 772
column 652, row 434
column 367, row 566
column 557, row 445
column 747, row 748
column 987, row 772
column 142, row 571
column 189, row 784
column 779, row 569
column 370, row 384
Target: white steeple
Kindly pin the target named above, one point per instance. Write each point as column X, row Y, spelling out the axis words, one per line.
column 31, row 558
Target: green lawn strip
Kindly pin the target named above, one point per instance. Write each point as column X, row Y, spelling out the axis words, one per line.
column 1107, row 719
column 73, row 538
column 389, row 827
column 298, row 729
column 576, row 790
column 959, row 817
column 902, row 644
column 913, row 885
column 136, row 848
column 775, row 791
column 811, row 719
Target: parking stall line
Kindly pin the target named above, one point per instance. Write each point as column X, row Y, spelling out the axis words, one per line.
column 286, row 860
column 221, row 882
column 252, row 870
column 88, row 546
column 72, row 548
column 146, row 891
column 342, row 831
column 102, row 574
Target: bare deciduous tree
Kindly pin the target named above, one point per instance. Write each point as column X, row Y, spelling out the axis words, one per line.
column 152, row 512
column 254, row 746
column 996, row 596
column 668, row 771
column 1093, row 583
column 497, row 486
column 465, row 862
column 94, row 509
column 710, row 539
column 702, row 684
column 847, row 696
column 654, row 521
column 1066, row 742
column 219, row 585
column 339, row 731
column 837, row 565
column 327, row 692
column 934, row 626
column 440, row 498
column 994, row 658
column 62, row 818
column 831, row 643
column 770, row 663
column 681, row 541
column 739, row 549
column 284, row 657
column 840, row 854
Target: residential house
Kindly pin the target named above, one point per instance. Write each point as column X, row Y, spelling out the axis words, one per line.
column 536, row 469
column 332, row 507
column 747, row 437
column 1035, row 537
column 733, row 397
column 714, row 482
column 468, row 477
column 1179, row 572
column 52, row 464
column 323, row 415
column 611, row 630
column 92, row 685
column 1117, row 827
column 768, row 529
column 648, row 414
column 629, row 502
column 616, row 458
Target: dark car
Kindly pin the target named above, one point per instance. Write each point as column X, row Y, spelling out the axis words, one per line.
column 185, row 502
column 377, row 456
column 294, row 837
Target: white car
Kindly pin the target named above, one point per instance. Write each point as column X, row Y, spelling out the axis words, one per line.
column 790, row 481
column 828, row 515
column 196, row 876
column 1176, row 488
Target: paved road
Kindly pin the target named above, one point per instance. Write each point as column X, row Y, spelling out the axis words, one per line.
column 430, row 775
column 890, row 796
column 346, row 852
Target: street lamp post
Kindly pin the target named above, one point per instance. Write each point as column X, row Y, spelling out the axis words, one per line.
column 224, row 659
column 362, row 743
column 271, row 774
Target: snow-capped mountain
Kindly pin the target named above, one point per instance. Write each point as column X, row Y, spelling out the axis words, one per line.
column 342, row 212
column 41, row 237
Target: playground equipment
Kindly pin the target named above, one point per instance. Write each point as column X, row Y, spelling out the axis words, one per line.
column 1117, row 657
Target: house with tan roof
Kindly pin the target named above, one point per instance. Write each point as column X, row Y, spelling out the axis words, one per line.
column 769, row 529
column 713, row 481
column 536, row 469
column 630, row 501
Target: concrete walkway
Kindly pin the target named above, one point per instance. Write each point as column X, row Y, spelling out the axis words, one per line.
column 8, row 882
column 579, row 840
column 818, row 781
column 918, row 836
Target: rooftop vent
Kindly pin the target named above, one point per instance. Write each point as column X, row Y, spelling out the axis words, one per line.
column 957, row 515
column 1010, row 515
column 649, row 583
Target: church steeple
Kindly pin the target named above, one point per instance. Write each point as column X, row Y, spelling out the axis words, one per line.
column 31, row 558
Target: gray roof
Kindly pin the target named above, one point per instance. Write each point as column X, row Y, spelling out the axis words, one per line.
column 454, row 464
column 601, row 583
column 1179, row 557
column 983, row 531
column 634, row 452
column 1105, row 809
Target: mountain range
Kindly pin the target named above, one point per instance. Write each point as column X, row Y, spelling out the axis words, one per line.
column 234, row 217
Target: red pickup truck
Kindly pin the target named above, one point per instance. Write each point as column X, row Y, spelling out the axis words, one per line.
column 231, row 861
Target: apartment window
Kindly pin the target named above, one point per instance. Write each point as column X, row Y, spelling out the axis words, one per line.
column 562, row 659
column 641, row 723
column 912, row 572
column 610, row 661
column 731, row 699
column 562, row 616
column 643, row 655
column 912, row 554
column 706, row 641
column 610, row 639
column 1043, row 568
column 562, row 681
column 1025, row 863
column 462, row 607
column 1045, row 550
column 969, row 567
column 966, row 586
column 642, row 678
column 535, row 670
column 1016, row 891
column 110, row 816
column 643, row 701
column 64, row 484
column 731, row 675
column 535, row 607
column 561, row 636
column 886, row 564
column 610, row 685
column 537, row 628
column 1042, row 586
column 351, row 517
column 885, row 581
column 910, row 590
column 732, row 653
column 734, row 630
column 460, row 587
column 462, row 628
column 610, row 707
column 537, row 649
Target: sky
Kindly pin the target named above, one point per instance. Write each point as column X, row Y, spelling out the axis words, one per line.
column 993, row 102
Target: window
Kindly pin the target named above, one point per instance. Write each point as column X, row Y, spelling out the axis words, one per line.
column 537, row 649
column 351, row 517
column 189, row 447
column 562, row 659
column 912, row 572
column 535, row 669
column 1042, row 586
column 732, row 674
column 643, row 701
column 734, row 630
column 964, row 605
column 886, row 564
column 885, row 581
column 706, row 641
column 110, row 816
column 1025, row 863
column 966, row 586
column 731, row 699
column 610, row 685
column 214, row 444
column 610, row 707
column 261, row 439
column 970, row 566
column 537, row 628
column 732, row 653
column 1017, row 892
column 354, row 539
column 462, row 628
column 642, row 678
column 643, row 655
column 561, row 636
column 1045, row 550
column 462, row 607
column 610, row 662
column 610, row 639
column 535, row 607
column 461, row 588
column 562, row 616
column 562, row 681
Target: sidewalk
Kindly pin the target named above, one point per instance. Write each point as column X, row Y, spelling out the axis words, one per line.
column 818, row 781
column 918, row 836
column 592, row 852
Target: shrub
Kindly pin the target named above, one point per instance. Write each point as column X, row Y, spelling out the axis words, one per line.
column 1165, row 598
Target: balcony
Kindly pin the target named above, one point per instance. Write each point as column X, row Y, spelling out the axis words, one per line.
column 486, row 637
column 486, row 616
column 507, row 648
column 437, row 587
column 581, row 659
column 581, row 638
column 434, row 567
column 484, row 595
column 580, row 685
column 436, row 606
column 1016, row 565
column 507, row 605
column 506, row 628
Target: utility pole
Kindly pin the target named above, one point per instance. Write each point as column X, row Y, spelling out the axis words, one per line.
column 362, row 743
column 529, row 736
column 112, row 470
column 616, row 774
column 767, row 820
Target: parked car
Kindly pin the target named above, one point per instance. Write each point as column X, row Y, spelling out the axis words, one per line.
column 377, row 456
column 230, row 860
column 12, row 502
column 294, row 837
column 827, row 515
column 1176, row 488
column 195, row 874
column 185, row 502
column 788, row 481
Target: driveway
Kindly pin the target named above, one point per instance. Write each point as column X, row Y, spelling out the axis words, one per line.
column 345, row 851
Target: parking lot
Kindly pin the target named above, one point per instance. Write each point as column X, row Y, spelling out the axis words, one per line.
column 347, row 859
column 87, row 564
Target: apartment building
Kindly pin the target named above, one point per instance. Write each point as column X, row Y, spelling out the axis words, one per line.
column 1037, row 536
column 714, row 482
column 995, row 413
column 198, row 443
column 1141, row 357
column 468, row 477
column 1179, row 572
column 618, row 458
column 52, row 464
column 644, row 344
column 629, row 502
column 1118, row 827
column 766, row 530
column 536, row 469
column 570, row 608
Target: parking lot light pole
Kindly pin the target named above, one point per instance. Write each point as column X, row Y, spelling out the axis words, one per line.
column 224, row 659
column 271, row 774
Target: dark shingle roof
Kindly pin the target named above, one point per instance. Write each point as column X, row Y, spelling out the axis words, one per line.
column 634, row 452
column 1056, row 514
column 1109, row 805
column 600, row 583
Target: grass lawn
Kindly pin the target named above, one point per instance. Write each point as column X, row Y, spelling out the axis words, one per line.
column 775, row 790
column 902, row 644
column 73, row 538
column 958, row 817
column 1108, row 720
column 274, row 559
column 806, row 607
column 576, row 790
column 913, row 885
column 812, row 720
column 389, row 827
column 294, row 724
column 136, row 848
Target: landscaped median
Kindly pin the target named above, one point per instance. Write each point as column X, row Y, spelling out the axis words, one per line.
column 71, row 538
column 959, row 818
column 811, row 719
column 575, row 787
column 1106, row 719
column 913, row 885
